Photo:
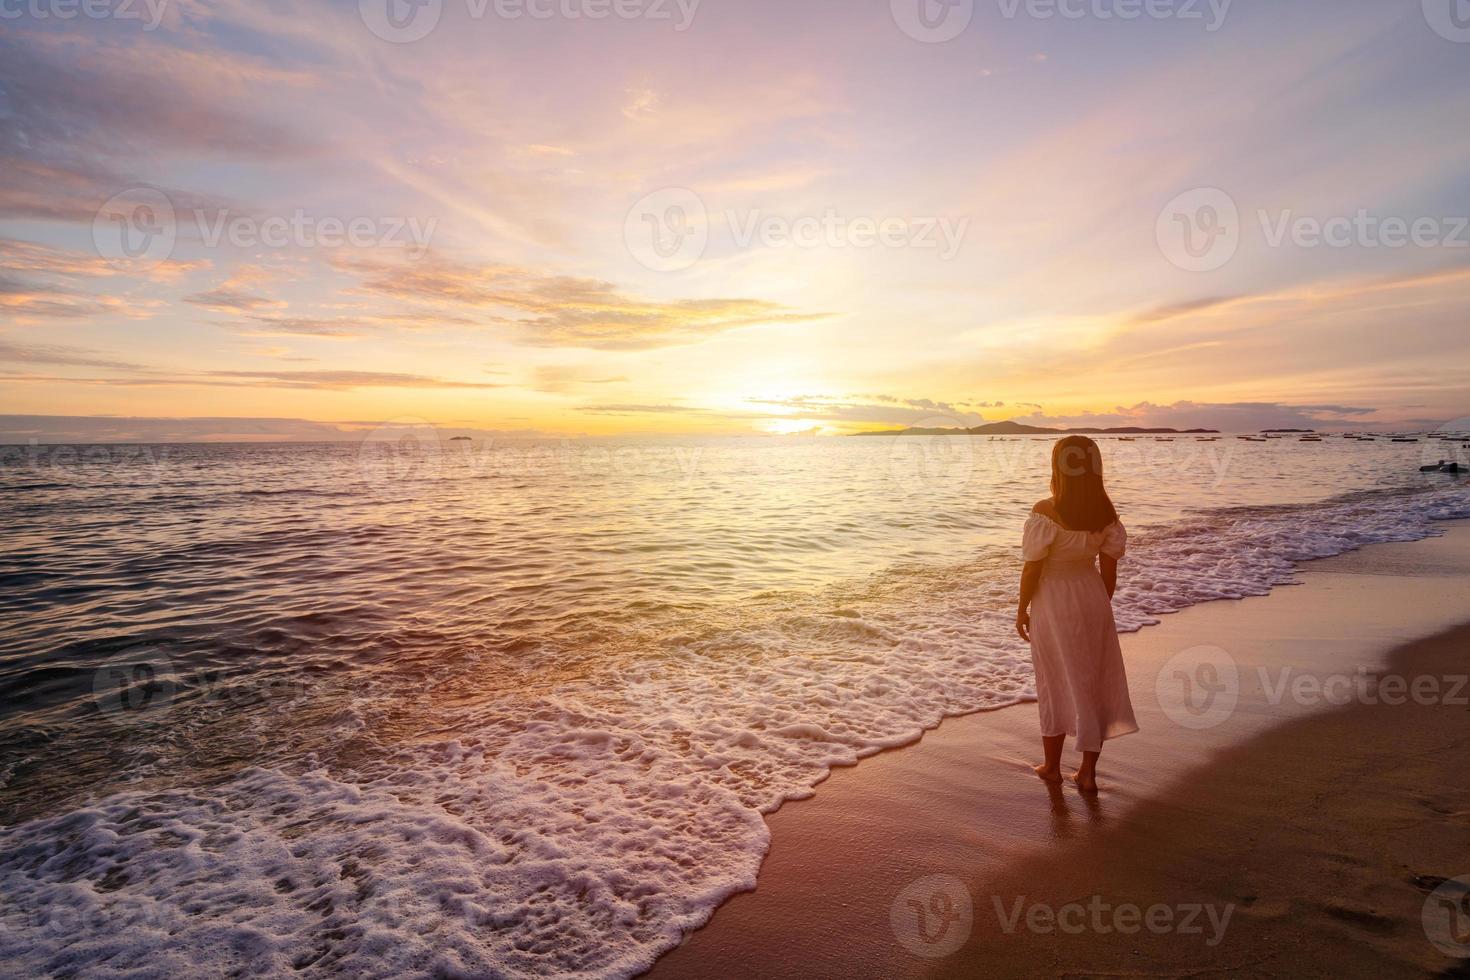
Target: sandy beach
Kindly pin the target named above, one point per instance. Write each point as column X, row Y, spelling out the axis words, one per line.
column 1294, row 825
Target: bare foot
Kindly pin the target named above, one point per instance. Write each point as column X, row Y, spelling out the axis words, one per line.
column 1048, row 773
column 1087, row 784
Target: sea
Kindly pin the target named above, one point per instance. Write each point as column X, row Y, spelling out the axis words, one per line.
column 518, row 707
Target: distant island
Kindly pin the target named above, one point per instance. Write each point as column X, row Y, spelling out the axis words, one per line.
column 1017, row 429
column 1288, row 430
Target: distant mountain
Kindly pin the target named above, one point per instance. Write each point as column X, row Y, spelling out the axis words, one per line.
column 1017, row 429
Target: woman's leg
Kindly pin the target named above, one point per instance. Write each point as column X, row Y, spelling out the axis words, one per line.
column 1086, row 776
column 1051, row 769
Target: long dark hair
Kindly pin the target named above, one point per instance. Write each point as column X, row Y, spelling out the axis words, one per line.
column 1077, row 485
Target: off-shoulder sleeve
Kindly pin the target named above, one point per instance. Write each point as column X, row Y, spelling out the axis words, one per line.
column 1115, row 540
column 1036, row 538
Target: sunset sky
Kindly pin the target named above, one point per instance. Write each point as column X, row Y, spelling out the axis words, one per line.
column 1024, row 176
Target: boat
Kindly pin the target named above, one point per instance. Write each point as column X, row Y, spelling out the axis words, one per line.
column 1404, row 439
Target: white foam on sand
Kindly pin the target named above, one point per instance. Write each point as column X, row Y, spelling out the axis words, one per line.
column 587, row 829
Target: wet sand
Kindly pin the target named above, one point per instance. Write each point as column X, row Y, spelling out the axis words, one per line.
column 1298, row 834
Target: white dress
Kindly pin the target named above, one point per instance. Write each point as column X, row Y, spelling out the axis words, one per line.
column 1081, row 687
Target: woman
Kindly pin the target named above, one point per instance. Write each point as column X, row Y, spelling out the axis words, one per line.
column 1066, row 612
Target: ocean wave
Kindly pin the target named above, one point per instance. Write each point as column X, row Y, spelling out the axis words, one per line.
column 585, row 826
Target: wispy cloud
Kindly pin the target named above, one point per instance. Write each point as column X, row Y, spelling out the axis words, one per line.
column 874, row 410
column 60, row 354
column 565, row 311
column 558, row 379
column 39, row 282
column 228, row 300
column 640, row 409
column 1227, row 416
column 301, row 380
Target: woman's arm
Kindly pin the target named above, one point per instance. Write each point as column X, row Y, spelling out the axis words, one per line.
column 1108, row 565
column 1030, row 576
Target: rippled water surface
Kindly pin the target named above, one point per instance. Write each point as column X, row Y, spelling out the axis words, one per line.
column 517, row 708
